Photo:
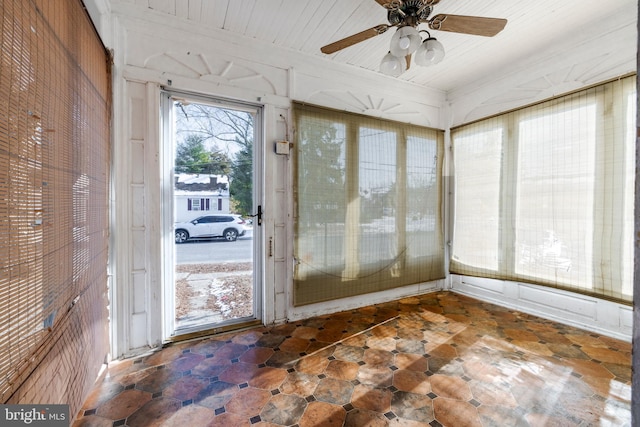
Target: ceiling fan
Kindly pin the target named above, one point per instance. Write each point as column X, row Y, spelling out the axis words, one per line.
column 407, row 15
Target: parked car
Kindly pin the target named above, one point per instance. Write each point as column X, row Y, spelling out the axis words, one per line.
column 228, row 226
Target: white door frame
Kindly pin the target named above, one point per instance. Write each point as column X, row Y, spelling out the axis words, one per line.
column 167, row 206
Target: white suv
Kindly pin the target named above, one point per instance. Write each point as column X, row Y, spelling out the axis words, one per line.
column 230, row 227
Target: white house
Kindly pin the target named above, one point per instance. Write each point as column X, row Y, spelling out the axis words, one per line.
column 199, row 194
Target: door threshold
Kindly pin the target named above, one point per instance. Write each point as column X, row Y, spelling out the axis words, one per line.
column 213, row 331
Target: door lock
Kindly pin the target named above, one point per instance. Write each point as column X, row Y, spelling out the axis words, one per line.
column 258, row 216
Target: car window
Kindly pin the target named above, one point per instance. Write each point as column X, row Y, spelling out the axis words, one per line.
column 223, row 219
column 206, row 220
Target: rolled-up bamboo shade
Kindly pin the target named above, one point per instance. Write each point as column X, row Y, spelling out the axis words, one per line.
column 54, row 164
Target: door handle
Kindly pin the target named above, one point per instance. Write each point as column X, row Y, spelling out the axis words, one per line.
column 258, row 215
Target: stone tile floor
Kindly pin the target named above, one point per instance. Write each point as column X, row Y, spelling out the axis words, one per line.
column 440, row 359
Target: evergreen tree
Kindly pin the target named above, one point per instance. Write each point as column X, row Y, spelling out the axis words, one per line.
column 193, row 157
column 241, row 187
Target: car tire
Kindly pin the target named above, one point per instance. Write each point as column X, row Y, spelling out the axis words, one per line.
column 230, row 234
column 181, row 236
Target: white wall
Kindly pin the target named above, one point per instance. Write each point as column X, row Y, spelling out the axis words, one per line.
column 152, row 50
column 181, row 205
column 586, row 58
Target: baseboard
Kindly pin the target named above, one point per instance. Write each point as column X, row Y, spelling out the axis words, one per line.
column 352, row 303
column 604, row 317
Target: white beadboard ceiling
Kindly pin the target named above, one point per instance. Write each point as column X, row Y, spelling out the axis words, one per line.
column 304, row 26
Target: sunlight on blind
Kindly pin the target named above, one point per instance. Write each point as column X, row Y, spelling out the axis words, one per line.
column 545, row 194
column 555, row 183
column 423, row 198
column 377, row 188
column 476, row 229
column 368, row 205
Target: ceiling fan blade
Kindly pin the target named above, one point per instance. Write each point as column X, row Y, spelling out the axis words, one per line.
column 382, row 2
column 353, row 39
column 475, row 25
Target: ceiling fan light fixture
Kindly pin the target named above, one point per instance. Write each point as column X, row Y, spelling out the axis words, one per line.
column 393, row 66
column 406, row 16
column 405, row 41
column 430, row 52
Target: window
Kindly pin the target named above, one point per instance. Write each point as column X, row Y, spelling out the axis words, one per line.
column 198, row 204
column 368, row 197
column 545, row 194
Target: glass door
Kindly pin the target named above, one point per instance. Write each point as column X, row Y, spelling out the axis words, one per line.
column 211, row 215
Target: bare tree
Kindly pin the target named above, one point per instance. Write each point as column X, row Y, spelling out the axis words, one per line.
column 228, row 131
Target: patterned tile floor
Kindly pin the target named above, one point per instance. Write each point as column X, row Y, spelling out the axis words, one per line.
column 440, row 359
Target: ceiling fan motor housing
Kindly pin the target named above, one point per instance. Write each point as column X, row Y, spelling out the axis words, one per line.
column 409, row 12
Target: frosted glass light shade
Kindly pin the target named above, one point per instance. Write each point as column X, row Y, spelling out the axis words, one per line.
column 430, row 52
column 391, row 65
column 405, row 41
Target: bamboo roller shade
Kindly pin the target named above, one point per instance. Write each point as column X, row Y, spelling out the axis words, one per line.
column 54, row 164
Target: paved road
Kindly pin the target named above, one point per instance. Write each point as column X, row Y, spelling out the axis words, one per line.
column 214, row 251
column 372, row 246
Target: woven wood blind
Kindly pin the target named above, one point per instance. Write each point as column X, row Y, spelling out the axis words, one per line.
column 54, row 163
column 368, row 204
column 545, row 194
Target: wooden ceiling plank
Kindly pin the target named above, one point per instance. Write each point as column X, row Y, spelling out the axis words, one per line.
column 266, row 20
column 214, row 13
